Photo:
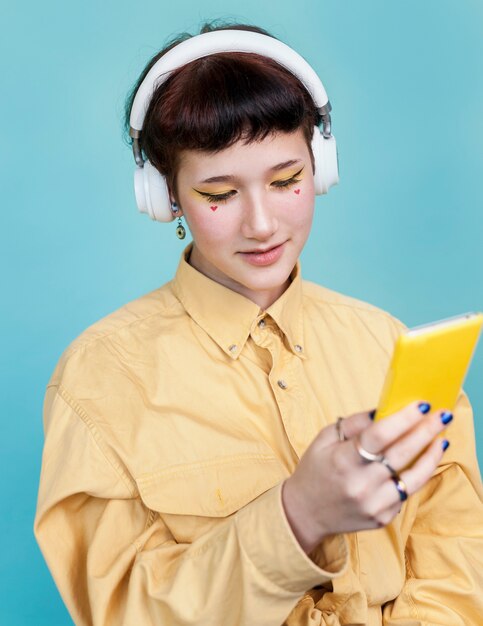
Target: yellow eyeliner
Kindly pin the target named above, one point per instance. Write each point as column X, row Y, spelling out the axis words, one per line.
column 211, row 193
column 295, row 173
column 221, row 192
column 284, row 180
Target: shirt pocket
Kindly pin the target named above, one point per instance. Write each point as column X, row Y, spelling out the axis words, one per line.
column 193, row 498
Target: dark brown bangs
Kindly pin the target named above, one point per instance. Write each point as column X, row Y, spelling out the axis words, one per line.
column 212, row 102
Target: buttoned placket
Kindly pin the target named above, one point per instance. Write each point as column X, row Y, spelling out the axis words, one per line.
column 286, row 368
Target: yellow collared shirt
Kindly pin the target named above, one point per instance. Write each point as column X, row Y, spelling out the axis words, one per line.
column 170, row 426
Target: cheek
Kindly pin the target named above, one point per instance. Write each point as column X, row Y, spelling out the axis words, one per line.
column 302, row 214
column 298, row 203
column 211, row 226
column 302, row 191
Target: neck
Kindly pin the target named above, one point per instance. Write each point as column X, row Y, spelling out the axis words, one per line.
column 264, row 298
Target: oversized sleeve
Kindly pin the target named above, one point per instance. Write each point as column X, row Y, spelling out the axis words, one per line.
column 444, row 549
column 115, row 561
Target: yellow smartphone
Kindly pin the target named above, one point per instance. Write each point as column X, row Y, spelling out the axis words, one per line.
column 430, row 363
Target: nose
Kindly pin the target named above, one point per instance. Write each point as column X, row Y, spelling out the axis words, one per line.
column 259, row 221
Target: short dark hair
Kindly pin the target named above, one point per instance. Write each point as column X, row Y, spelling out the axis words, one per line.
column 212, row 102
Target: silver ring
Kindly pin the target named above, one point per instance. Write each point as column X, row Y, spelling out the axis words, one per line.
column 366, row 456
column 338, row 428
column 401, row 487
column 391, row 469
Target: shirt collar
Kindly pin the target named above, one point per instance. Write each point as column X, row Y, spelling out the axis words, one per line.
column 287, row 312
column 228, row 317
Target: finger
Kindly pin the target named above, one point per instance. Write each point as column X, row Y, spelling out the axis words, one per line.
column 383, row 433
column 385, row 517
column 348, row 427
column 379, row 499
column 421, row 471
column 354, row 424
column 387, row 497
column 328, row 436
column 410, row 446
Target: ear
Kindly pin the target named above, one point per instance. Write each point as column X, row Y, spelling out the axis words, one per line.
column 173, row 201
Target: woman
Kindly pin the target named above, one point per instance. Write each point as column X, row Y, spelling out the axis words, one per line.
column 195, row 470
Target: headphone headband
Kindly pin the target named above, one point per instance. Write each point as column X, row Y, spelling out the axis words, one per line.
column 227, row 41
column 152, row 194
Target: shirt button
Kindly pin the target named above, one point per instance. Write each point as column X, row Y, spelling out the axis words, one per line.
column 262, row 324
column 232, row 348
column 298, row 348
column 282, row 384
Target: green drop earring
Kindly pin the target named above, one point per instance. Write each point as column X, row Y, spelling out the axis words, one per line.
column 180, row 229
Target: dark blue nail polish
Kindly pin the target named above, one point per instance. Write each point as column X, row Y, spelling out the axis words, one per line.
column 372, row 414
column 424, row 407
column 445, row 444
column 446, row 417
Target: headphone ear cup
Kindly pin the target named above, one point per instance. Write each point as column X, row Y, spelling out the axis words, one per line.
column 326, row 164
column 152, row 195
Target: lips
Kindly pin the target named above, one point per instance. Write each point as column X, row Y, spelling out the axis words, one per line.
column 261, row 250
column 267, row 256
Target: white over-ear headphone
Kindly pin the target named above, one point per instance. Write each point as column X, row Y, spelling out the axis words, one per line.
column 150, row 186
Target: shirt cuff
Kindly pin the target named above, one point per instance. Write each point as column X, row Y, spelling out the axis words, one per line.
column 269, row 542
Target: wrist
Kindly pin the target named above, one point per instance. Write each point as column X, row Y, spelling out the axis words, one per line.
column 307, row 533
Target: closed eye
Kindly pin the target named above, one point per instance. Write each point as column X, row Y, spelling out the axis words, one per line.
column 288, row 182
column 221, row 197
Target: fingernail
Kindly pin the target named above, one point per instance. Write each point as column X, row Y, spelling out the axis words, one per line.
column 424, row 407
column 446, row 417
column 445, row 444
column 372, row 414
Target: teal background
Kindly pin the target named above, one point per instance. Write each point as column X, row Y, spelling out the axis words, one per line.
column 402, row 230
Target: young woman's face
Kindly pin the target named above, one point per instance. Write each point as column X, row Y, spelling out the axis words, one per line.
column 249, row 208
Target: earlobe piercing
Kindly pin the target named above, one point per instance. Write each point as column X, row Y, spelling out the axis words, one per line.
column 180, row 229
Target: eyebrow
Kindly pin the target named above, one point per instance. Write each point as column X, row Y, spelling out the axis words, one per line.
column 228, row 178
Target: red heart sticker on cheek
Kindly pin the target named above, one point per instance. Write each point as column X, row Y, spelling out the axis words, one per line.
column 213, row 208
column 297, row 191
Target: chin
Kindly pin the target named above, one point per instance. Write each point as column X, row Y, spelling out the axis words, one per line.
column 266, row 278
